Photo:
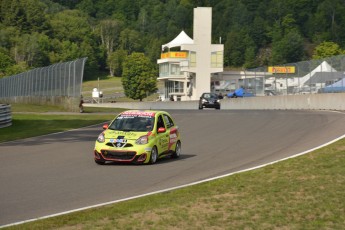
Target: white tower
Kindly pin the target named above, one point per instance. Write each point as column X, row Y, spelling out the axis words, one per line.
column 208, row 57
column 195, row 62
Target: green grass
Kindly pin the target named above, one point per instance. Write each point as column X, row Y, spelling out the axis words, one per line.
column 300, row 193
column 36, row 120
column 107, row 85
column 36, row 108
column 27, row 125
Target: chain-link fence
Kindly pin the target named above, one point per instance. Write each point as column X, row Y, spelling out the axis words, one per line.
column 315, row 76
column 62, row 79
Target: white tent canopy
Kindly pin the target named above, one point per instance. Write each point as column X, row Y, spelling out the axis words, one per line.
column 323, row 67
column 181, row 39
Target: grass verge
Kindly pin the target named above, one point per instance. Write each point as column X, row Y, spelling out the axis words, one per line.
column 36, row 120
column 28, row 125
column 106, row 85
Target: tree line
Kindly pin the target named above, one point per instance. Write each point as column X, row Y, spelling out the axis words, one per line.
column 36, row 33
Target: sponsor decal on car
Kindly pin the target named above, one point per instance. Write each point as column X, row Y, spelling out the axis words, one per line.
column 173, row 136
column 139, row 113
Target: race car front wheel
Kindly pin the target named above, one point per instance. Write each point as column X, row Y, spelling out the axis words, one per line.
column 154, row 155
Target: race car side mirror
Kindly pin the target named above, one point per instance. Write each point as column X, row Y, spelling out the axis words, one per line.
column 161, row 130
column 105, row 126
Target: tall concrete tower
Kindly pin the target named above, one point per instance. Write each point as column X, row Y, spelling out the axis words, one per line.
column 187, row 73
column 208, row 57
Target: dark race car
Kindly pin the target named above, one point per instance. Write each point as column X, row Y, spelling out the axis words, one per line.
column 209, row 100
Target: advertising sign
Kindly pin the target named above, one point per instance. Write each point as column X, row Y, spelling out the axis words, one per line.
column 174, row 55
column 281, row 69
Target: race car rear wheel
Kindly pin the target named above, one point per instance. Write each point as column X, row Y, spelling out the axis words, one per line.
column 177, row 151
column 153, row 155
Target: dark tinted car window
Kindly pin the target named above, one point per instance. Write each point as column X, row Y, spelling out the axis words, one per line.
column 132, row 123
column 209, row 95
column 160, row 122
column 168, row 121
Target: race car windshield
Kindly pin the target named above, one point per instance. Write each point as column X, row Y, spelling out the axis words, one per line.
column 133, row 123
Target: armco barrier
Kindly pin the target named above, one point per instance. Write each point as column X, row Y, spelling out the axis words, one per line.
column 5, row 115
column 326, row 101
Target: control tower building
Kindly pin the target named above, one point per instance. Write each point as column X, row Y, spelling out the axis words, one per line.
column 186, row 64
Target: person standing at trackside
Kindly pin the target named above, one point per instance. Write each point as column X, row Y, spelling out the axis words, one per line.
column 81, row 107
column 172, row 98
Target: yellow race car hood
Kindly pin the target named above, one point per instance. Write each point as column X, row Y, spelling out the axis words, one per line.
column 129, row 135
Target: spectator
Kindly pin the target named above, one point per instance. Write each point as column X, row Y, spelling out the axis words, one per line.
column 81, row 107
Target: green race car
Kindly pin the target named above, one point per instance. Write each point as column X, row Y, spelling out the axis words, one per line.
column 136, row 136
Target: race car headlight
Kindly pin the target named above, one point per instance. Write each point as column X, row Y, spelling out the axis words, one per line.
column 142, row 140
column 218, row 100
column 204, row 100
column 101, row 138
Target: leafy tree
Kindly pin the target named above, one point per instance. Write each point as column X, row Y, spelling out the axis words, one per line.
column 32, row 49
column 139, row 77
column 258, row 31
column 41, row 57
column 5, row 62
column 182, row 17
column 239, row 46
column 289, row 49
column 88, row 6
column 8, row 35
column 115, row 62
column 158, row 25
column 35, row 19
column 130, row 40
column 143, row 20
column 327, row 49
column 109, row 33
column 70, row 25
column 249, row 57
column 68, row 3
column 42, row 32
column 153, row 49
column 26, row 15
column 16, row 69
column 130, row 9
column 65, row 51
column 74, row 38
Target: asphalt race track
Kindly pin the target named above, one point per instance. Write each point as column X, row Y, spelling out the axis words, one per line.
column 55, row 173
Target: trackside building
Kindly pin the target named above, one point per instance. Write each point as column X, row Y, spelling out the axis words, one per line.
column 186, row 64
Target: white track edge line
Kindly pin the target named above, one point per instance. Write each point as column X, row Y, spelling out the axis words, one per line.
column 172, row 188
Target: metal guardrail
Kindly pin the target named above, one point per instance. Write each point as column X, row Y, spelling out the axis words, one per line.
column 5, row 116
